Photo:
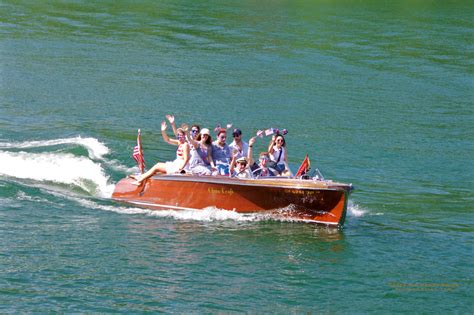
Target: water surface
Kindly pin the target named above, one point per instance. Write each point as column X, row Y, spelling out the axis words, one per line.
column 380, row 94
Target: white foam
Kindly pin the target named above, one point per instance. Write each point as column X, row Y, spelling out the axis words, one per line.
column 209, row 214
column 63, row 168
column 115, row 165
column 118, row 209
column 25, row 197
column 356, row 210
column 95, row 148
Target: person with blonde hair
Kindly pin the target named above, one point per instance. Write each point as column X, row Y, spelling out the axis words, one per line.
column 180, row 164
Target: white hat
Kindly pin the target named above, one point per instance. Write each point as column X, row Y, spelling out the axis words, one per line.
column 242, row 159
column 205, row 131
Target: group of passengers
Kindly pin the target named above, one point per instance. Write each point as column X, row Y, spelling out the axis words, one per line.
column 198, row 154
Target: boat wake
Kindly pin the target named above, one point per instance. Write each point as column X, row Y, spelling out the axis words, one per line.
column 96, row 149
column 210, row 214
column 52, row 162
column 77, row 169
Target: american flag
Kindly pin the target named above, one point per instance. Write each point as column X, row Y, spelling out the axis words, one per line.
column 269, row 131
column 260, row 133
column 138, row 154
column 273, row 131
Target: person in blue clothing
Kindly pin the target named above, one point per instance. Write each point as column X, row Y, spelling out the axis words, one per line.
column 221, row 153
column 262, row 168
column 201, row 162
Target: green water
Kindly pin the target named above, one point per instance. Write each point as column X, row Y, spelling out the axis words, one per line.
column 379, row 93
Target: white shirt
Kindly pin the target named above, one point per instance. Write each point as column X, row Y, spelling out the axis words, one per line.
column 276, row 153
column 245, row 149
column 244, row 174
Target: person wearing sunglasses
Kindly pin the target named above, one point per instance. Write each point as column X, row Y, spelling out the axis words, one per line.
column 221, row 153
column 201, row 162
column 238, row 144
column 179, row 165
column 278, row 155
column 195, row 132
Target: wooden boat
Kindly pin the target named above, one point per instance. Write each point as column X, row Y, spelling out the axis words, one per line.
column 308, row 200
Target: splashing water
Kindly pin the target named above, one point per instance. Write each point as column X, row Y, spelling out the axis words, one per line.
column 355, row 210
column 63, row 168
column 95, row 148
column 208, row 214
column 59, row 167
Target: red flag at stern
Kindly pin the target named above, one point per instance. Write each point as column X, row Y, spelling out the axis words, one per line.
column 304, row 168
column 138, row 154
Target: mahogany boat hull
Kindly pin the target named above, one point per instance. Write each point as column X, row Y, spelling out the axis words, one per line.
column 321, row 202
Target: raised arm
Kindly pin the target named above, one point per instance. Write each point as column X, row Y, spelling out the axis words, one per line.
column 235, row 153
column 250, row 153
column 189, row 138
column 165, row 136
column 173, row 124
column 272, row 143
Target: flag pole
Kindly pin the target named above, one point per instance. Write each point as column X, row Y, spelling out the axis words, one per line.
column 138, row 153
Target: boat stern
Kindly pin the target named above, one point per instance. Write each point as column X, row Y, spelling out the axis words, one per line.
column 125, row 190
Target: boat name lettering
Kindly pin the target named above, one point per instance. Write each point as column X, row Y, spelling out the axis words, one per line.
column 301, row 192
column 222, row 191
